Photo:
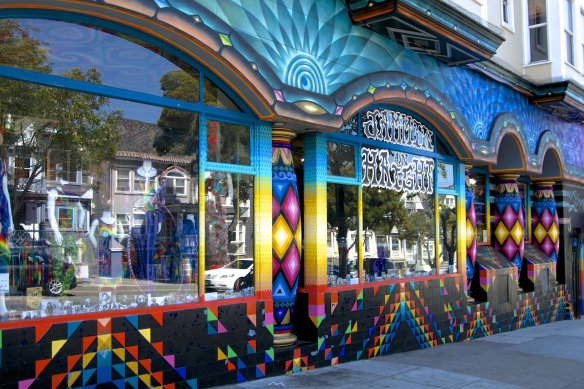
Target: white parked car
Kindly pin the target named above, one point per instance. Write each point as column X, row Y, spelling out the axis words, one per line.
column 233, row 276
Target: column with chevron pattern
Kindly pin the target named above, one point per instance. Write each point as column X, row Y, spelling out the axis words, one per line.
column 545, row 222
column 286, row 235
column 508, row 220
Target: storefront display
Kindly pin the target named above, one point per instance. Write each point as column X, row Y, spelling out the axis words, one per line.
column 106, row 191
column 398, row 201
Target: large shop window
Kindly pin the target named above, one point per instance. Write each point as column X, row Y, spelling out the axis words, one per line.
column 100, row 195
column 404, row 184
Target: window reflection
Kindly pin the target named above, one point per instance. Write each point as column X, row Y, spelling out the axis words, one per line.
column 228, row 143
column 342, row 249
column 102, row 222
column 445, row 175
column 228, row 235
column 448, row 241
column 51, row 46
column 401, row 227
column 340, row 159
column 479, row 190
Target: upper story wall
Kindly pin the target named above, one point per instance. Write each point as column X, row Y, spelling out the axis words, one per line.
column 515, row 51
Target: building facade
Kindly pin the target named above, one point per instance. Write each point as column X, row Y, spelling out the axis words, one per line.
column 197, row 193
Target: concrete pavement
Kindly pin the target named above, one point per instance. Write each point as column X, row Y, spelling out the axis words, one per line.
column 547, row 356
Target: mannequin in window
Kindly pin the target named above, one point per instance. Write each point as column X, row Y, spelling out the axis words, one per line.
column 66, row 194
column 218, row 194
column 144, row 236
column 188, row 237
column 147, row 172
column 6, row 226
column 108, row 227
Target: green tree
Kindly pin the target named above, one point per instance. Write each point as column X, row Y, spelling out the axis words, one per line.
column 418, row 227
column 46, row 125
column 179, row 128
column 383, row 210
column 447, row 231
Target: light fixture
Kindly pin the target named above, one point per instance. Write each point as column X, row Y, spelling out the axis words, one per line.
column 484, row 151
column 310, row 107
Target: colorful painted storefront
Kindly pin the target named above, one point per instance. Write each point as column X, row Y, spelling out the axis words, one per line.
column 145, row 144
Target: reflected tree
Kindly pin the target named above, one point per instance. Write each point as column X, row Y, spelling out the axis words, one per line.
column 50, row 124
column 418, row 227
column 447, row 230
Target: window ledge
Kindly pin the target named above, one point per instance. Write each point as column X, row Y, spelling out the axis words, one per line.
column 547, row 61
column 572, row 66
column 508, row 27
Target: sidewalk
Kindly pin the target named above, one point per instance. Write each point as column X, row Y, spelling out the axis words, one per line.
column 547, row 356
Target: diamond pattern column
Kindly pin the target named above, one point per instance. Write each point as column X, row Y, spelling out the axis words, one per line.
column 286, row 235
column 471, row 229
column 508, row 222
column 545, row 222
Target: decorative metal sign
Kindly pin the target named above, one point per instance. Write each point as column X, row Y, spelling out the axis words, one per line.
column 396, row 128
column 397, row 171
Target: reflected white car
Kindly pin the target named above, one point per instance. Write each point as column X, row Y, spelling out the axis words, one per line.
column 233, row 276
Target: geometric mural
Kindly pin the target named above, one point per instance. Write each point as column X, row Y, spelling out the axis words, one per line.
column 286, row 235
column 233, row 343
column 546, row 232
column 508, row 220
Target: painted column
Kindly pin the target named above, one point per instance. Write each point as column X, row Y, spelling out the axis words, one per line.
column 545, row 222
column 315, row 224
column 508, row 222
column 286, row 235
column 471, row 229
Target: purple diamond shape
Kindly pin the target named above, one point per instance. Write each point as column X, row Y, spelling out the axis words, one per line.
column 546, row 219
column 291, row 209
column 509, row 217
column 509, row 249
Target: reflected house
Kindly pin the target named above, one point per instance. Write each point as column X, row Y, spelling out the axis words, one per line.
column 130, row 189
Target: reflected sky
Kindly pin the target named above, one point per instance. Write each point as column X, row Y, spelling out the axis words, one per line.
column 122, row 64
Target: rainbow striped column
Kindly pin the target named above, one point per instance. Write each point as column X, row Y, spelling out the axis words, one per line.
column 286, row 236
column 315, row 220
column 545, row 222
column 471, row 229
column 508, row 221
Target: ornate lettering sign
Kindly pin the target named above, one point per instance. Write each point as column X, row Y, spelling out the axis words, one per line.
column 396, row 128
column 397, row 171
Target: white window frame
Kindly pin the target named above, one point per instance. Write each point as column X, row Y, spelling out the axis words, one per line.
column 507, row 5
column 569, row 34
column 528, row 35
column 582, row 36
column 133, row 179
column 171, row 179
column 130, row 184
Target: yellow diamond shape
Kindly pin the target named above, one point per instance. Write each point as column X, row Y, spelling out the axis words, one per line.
column 539, row 233
column 554, row 233
column 501, row 232
column 517, row 232
column 470, row 232
column 298, row 238
column 281, row 236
